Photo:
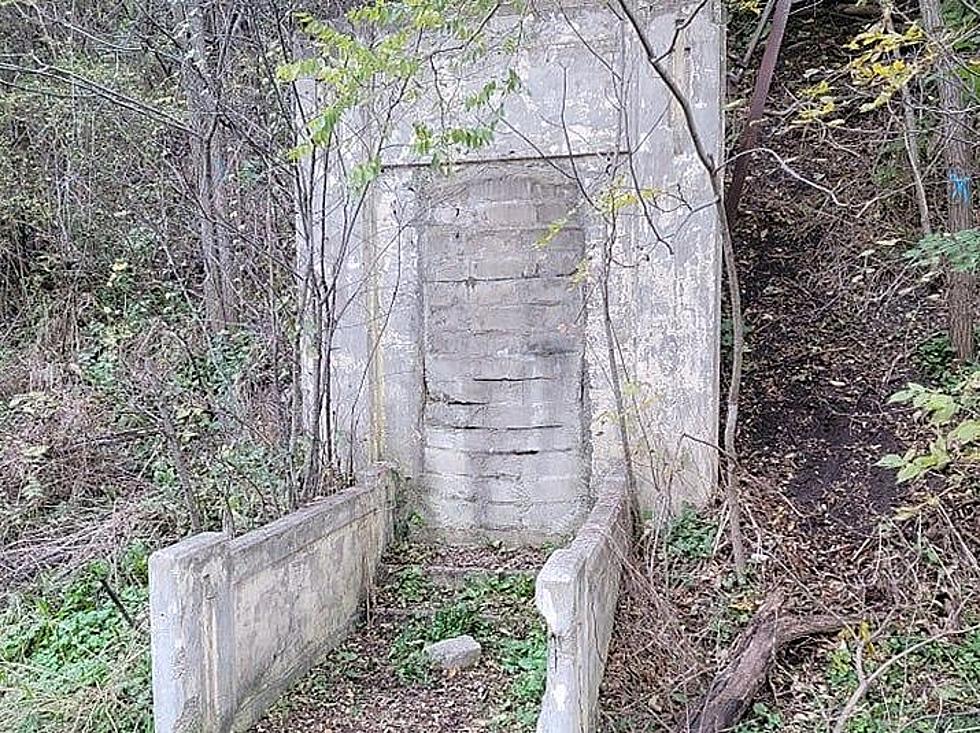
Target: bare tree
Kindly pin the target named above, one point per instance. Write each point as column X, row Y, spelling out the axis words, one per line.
column 207, row 27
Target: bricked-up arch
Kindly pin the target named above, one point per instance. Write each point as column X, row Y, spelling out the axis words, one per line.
column 503, row 430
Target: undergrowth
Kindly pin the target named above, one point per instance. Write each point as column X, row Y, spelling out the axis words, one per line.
column 927, row 643
column 496, row 609
column 933, row 689
column 70, row 660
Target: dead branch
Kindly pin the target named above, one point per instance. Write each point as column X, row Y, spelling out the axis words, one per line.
column 866, row 681
column 756, row 36
column 734, row 686
column 177, row 455
column 910, row 138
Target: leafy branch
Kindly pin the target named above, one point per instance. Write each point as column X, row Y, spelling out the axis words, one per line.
column 954, row 417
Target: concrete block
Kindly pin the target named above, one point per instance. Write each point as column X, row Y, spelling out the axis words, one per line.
column 505, row 368
column 515, row 416
column 459, row 652
column 546, row 291
column 500, row 516
column 188, row 582
column 453, row 515
column 511, row 213
column 474, row 439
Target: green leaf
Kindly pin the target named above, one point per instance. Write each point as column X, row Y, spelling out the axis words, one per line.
column 892, row 460
column 942, row 407
column 909, row 472
column 364, row 173
column 901, row 396
column 966, row 432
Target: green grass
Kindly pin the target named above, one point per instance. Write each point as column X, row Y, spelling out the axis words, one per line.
column 69, row 661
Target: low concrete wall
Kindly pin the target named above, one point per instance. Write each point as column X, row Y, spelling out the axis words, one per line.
column 234, row 621
column 576, row 592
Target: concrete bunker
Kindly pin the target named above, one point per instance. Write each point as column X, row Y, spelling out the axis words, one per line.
column 473, row 352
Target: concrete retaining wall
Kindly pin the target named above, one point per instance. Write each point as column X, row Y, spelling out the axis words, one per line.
column 235, row 620
column 576, row 592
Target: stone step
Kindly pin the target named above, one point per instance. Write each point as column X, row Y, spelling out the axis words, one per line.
column 451, row 576
column 382, row 614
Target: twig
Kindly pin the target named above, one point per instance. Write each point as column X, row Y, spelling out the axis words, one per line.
column 866, row 683
column 757, row 35
column 183, row 474
column 794, row 174
column 117, row 602
column 910, row 139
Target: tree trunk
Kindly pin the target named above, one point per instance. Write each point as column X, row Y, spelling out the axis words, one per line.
column 201, row 79
column 960, row 288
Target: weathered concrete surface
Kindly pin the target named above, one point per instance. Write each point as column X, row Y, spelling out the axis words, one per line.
column 576, row 593
column 234, row 621
column 504, row 354
column 459, row 652
column 465, row 354
column 676, row 286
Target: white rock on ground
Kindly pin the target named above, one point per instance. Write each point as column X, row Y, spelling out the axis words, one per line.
column 456, row 653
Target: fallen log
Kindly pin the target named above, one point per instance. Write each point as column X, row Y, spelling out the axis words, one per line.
column 735, row 685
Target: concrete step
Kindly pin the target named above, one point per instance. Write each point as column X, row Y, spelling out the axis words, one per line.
column 450, row 576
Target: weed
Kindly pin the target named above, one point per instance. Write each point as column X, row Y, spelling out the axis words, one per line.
column 840, row 668
column 412, row 584
column 66, row 648
column 943, row 675
column 935, row 356
column 691, row 536
column 406, row 653
column 488, row 586
column 763, row 719
column 953, row 414
column 889, row 169
column 454, row 620
column 526, row 660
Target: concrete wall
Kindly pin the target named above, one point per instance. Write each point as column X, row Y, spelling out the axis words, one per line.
column 576, row 593
column 234, row 621
column 445, row 295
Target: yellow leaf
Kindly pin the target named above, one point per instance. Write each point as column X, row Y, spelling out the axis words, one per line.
column 904, row 513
